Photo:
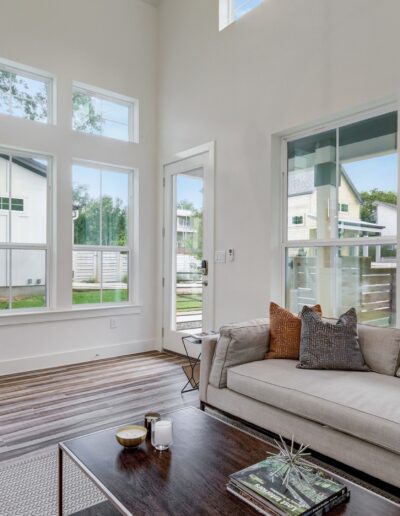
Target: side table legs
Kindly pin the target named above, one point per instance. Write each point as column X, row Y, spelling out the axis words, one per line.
column 193, row 362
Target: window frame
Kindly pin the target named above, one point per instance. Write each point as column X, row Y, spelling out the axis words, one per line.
column 102, row 94
column 132, row 237
column 336, row 242
column 227, row 12
column 46, row 247
column 40, row 75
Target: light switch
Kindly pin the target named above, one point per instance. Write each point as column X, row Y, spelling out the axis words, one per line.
column 231, row 255
column 220, row 257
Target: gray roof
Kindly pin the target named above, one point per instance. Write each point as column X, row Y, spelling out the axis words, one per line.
column 30, row 164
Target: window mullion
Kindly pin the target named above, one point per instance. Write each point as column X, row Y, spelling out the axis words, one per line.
column 336, row 273
column 10, row 281
column 9, row 196
column 398, row 226
column 101, row 232
column 101, row 276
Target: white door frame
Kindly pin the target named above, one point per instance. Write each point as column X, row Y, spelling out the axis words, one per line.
column 205, row 155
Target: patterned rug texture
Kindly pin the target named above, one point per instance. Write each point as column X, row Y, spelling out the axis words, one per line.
column 28, row 486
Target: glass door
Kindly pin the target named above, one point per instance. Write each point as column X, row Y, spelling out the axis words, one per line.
column 190, row 275
column 188, row 250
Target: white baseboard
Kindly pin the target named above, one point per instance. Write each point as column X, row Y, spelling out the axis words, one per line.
column 32, row 363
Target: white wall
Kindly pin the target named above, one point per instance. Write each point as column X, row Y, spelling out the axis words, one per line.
column 285, row 64
column 112, row 45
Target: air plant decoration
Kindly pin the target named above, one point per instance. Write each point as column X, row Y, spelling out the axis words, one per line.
column 293, row 463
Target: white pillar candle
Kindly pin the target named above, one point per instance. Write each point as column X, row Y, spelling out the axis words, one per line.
column 163, row 432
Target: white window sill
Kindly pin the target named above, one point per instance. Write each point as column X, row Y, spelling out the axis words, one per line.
column 75, row 313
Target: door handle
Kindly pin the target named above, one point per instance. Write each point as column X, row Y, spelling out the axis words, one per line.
column 205, row 283
column 204, row 267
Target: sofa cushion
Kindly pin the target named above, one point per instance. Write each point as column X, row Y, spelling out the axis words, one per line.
column 365, row 405
column 285, row 329
column 380, row 348
column 325, row 345
column 238, row 343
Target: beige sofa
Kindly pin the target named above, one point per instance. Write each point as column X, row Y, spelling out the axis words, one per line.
column 350, row 416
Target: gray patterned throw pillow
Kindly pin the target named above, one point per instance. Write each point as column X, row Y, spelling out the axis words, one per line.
column 324, row 345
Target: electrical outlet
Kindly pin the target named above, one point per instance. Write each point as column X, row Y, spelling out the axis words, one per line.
column 113, row 324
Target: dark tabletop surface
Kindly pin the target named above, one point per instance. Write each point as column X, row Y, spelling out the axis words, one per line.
column 191, row 477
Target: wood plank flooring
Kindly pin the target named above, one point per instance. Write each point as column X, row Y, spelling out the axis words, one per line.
column 41, row 408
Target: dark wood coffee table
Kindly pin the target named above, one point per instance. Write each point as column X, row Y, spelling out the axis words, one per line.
column 188, row 479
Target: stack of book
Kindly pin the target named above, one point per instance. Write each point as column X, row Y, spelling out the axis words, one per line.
column 312, row 493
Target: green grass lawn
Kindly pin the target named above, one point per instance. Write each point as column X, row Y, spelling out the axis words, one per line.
column 79, row 297
column 82, row 297
column 24, row 302
column 187, row 302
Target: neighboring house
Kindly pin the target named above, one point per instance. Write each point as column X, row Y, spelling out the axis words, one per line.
column 26, row 207
column 308, row 204
column 386, row 216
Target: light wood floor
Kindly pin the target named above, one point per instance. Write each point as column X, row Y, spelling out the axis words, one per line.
column 41, row 408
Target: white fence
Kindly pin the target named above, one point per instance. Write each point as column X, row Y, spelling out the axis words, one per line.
column 87, row 266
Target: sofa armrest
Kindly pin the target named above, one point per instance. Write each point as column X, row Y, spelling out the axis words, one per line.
column 207, row 354
column 239, row 343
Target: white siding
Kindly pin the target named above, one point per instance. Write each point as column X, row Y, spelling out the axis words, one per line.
column 387, row 216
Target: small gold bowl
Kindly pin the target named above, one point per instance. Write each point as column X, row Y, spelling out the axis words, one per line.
column 131, row 436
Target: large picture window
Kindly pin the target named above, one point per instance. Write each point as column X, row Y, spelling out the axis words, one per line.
column 345, row 182
column 23, row 230
column 102, row 228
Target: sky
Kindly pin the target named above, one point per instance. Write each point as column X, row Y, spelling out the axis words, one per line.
column 189, row 188
column 115, row 184
column 379, row 172
column 244, row 6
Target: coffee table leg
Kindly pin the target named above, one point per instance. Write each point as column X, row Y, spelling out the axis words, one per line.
column 60, row 481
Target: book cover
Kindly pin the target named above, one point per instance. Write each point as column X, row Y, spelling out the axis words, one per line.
column 303, row 493
column 263, row 507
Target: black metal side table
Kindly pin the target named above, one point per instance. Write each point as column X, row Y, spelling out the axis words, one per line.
column 192, row 384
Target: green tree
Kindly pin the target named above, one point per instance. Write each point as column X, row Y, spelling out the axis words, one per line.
column 114, row 218
column 16, row 87
column 85, row 116
column 368, row 209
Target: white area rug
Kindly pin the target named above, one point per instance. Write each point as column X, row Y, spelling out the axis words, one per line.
column 28, row 486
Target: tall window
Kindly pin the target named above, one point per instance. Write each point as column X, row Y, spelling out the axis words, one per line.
column 102, row 228
column 103, row 113
column 344, row 254
column 23, row 230
column 25, row 93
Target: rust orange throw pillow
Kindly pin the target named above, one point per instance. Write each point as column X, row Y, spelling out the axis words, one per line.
column 285, row 330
